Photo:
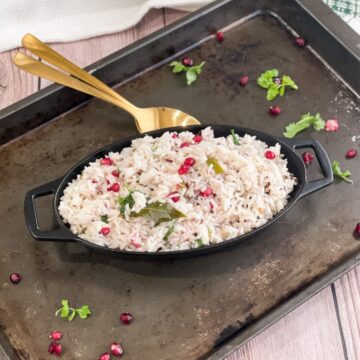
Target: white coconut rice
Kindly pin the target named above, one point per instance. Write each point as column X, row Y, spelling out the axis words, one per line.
column 250, row 191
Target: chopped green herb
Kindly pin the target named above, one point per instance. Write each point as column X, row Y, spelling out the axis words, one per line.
column 265, row 80
column 127, row 200
column 83, row 230
column 192, row 72
column 104, row 218
column 199, row 242
column 342, row 175
column 306, row 121
column 159, row 212
column 235, row 137
column 169, row 231
column 69, row 313
column 83, row 312
column 215, row 164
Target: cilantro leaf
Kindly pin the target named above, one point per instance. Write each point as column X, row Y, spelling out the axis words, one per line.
column 159, row 212
column 191, row 72
column 235, row 137
column 83, row 312
column 191, row 76
column 344, row 175
column 69, row 313
column 287, row 81
column 178, row 67
column 272, row 92
column 72, row 315
column 306, row 121
column 64, row 310
column 266, row 79
column 104, row 218
column 318, row 123
column 169, row 231
column 127, row 200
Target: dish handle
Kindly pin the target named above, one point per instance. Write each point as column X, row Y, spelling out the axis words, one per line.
column 31, row 218
column 322, row 158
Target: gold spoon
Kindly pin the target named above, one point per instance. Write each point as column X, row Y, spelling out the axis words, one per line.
column 146, row 119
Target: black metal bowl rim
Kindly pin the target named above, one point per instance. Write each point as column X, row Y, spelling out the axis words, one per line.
column 56, row 187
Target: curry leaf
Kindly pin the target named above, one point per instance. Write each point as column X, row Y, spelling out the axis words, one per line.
column 159, row 212
column 215, row 165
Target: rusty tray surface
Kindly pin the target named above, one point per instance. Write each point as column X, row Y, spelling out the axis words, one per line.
column 183, row 309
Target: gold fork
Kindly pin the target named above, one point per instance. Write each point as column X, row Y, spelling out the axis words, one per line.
column 146, row 119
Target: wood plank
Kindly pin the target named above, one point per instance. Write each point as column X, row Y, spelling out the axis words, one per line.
column 309, row 332
column 14, row 83
column 85, row 52
column 172, row 15
column 347, row 291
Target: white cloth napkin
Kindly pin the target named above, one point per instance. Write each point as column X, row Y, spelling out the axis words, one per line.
column 69, row 20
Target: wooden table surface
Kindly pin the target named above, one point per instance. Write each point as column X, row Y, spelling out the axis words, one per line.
column 327, row 327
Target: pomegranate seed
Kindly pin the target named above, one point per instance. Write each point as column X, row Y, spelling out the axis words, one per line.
column 115, row 173
column 270, row 155
column 104, row 231
column 15, row 278
column 55, row 348
column 220, row 36
column 189, row 161
column 276, row 80
column 93, row 181
column 174, row 135
column 174, row 196
column 350, row 154
column 206, row 192
column 244, row 80
column 307, row 157
column 185, row 144
column 106, row 161
column 187, row 61
column 107, row 181
column 115, row 187
column 183, row 169
column 104, row 356
column 274, row 110
column 135, row 243
column 56, row 335
column 299, row 41
column 357, row 230
column 331, row 125
column 198, row 138
column 126, row 318
column 116, row 349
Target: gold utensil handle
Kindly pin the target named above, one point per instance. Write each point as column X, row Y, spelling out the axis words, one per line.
column 44, row 52
column 40, row 69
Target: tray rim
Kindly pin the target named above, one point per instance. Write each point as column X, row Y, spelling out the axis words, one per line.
column 327, row 20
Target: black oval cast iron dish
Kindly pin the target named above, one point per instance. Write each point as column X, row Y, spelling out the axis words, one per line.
column 288, row 147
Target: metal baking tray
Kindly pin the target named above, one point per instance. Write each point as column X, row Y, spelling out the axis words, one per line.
column 194, row 308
